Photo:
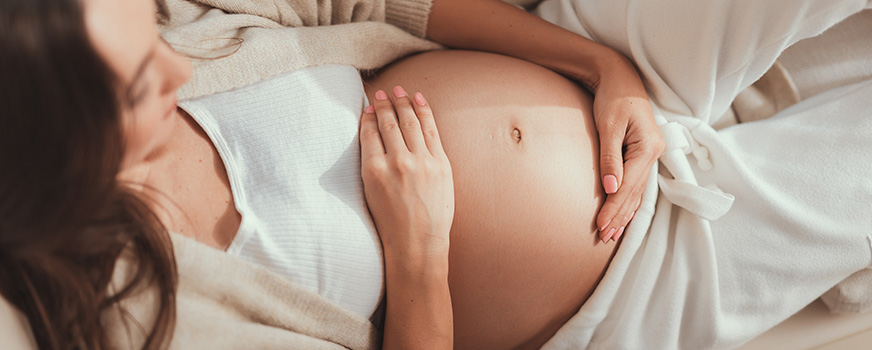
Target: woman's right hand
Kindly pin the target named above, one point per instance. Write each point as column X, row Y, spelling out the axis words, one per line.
column 410, row 193
column 407, row 177
column 630, row 142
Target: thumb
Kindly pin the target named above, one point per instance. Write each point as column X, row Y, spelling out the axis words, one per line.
column 611, row 160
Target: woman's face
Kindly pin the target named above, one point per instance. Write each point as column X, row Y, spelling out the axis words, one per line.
column 125, row 34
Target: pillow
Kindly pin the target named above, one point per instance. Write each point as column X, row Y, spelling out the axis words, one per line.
column 851, row 296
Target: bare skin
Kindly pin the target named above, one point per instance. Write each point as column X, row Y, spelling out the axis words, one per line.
column 525, row 200
column 524, row 253
column 190, row 187
column 168, row 155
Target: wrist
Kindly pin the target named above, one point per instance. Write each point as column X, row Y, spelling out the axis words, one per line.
column 594, row 64
column 416, row 266
column 417, row 245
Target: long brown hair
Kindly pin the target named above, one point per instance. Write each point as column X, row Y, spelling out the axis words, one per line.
column 64, row 217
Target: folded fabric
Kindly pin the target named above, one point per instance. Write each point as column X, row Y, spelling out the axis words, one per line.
column 851, row 296
column 226, row 303
column 739, row 227
column 235, row 43
column 836, row 58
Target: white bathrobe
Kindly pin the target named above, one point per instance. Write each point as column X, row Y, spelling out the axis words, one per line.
column 739, row 227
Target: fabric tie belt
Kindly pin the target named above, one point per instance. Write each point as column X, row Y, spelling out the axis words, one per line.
column 708, row 202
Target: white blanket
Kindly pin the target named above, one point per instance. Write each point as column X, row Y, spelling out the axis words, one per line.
column 739, row 227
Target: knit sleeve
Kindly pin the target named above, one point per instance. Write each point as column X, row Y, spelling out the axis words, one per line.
column 409, row 15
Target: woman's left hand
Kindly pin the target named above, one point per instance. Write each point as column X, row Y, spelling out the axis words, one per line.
column 410, row 192
column 630, row 143
column 407, row 178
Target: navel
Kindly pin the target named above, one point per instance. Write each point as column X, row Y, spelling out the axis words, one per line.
column 516, row 135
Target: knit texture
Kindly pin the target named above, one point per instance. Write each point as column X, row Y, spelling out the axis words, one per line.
column 234, row 43
column 226, row 303
column 222, row 301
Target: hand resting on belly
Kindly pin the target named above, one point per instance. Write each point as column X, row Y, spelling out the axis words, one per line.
column 524, row 253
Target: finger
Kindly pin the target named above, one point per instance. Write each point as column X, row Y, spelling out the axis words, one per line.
column 620, row 232
column 388, row 126
column 428, row 125
column 618, row 207
column 617, row 224
column 611, row 134
column 644, row 146
column 409, row 124
column 370, row 139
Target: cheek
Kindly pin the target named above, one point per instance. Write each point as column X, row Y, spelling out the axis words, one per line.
column 145, row 133
column 136, row 136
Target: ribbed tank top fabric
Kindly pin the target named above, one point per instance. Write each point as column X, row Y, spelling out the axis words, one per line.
column 290, row 148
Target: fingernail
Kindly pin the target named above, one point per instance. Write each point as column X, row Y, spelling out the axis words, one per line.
column 381, row 95
column 369, row 109
column 618, row 235
column 399, row 92
column 609, row 235
column 606, row 225
column 610, row 182
column 419, row 98
column 632, row 215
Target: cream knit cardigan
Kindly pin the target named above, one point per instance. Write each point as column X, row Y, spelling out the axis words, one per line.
column 224, row 302
column 238, row 42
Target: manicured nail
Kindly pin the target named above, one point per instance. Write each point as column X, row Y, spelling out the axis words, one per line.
column 399, row 92
column 419, row 98
column 618, row 235
column 610, row 182
column 606, row 225
column 381, row 95
column 370, row 109
column 609, row 235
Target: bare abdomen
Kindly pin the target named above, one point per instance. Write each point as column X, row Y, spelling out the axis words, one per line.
column 524, row 254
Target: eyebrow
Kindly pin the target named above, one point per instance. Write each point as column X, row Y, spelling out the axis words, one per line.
column 141, row 69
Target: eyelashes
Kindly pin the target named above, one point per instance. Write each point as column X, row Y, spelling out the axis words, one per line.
column 140, row 95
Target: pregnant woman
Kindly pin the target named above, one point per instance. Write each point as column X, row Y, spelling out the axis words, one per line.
column 524, row 163
column 262, row 161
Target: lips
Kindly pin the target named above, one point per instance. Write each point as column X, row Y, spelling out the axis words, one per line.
column 172, row 108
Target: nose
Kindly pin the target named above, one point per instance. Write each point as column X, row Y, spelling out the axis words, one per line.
column 175, row 68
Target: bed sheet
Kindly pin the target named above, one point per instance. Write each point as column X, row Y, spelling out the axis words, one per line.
column 816, row 328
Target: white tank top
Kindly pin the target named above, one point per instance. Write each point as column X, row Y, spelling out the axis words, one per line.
column 290, row 147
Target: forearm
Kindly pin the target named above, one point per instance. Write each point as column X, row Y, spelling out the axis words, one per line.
column 410, row 193
column 418, row 313
column 629, row 137
column 494, row 26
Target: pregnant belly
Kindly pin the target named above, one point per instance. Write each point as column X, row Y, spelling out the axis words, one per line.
column 524, row 254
